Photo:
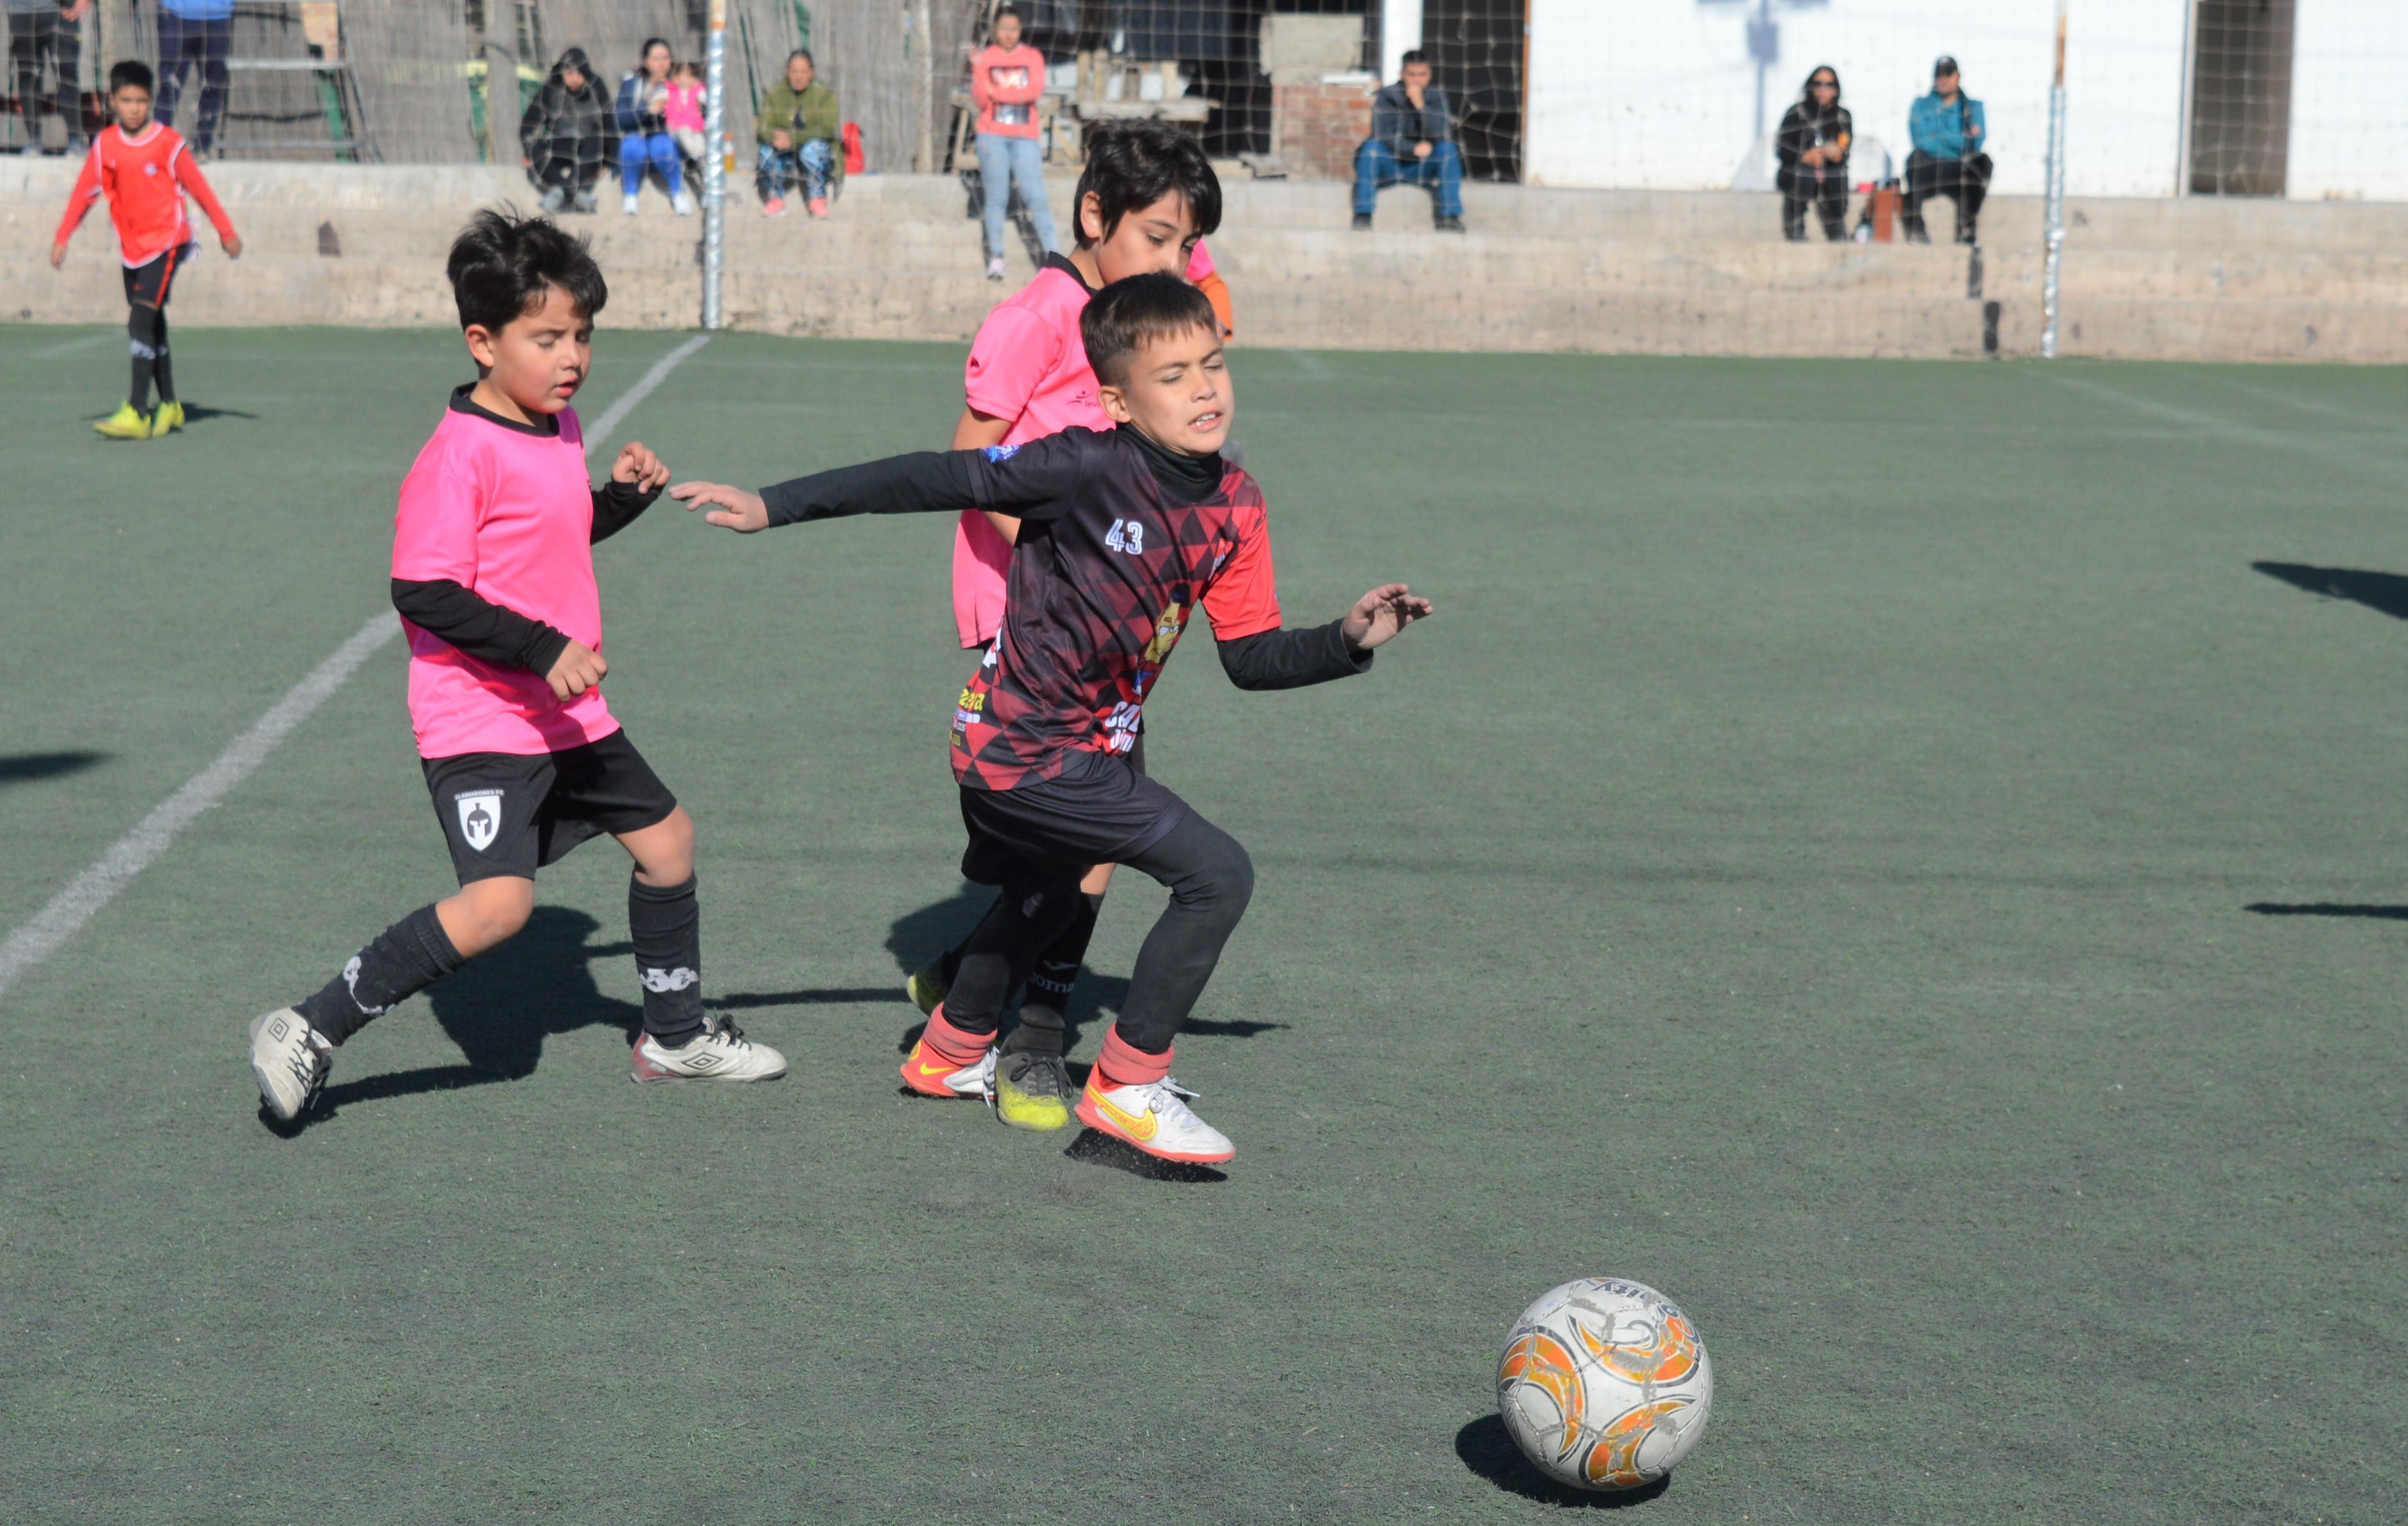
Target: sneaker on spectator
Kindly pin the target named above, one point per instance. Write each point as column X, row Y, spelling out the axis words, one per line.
column 1450, row 225
column 586, row 201
column 774, row 207
column 627, row 203
column 554, row 199
column 1362, row 221
column 682, row 203
column 994, row 269
column 818, row 206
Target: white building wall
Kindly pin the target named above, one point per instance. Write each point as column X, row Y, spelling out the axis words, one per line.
column 2349, row 103
column 1662, row 93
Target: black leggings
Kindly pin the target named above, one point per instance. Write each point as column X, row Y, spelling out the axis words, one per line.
column 1827, row 194
column 1210, row 878
column 33, row 37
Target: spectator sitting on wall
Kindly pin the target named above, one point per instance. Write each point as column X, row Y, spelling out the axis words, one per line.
column 566, row 134
column 644, row 140
column 1412, row 141
column 1006, row 81
column 194, row 32
column 52, row 27
column 1813, row 149
column 688, row 96
column 800, row 138
column 1948, row 127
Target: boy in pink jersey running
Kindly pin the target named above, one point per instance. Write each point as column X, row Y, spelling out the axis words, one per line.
column 1147, row 198
column 493, row 573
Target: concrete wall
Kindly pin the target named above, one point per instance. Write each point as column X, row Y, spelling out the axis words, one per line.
column 1663, row 94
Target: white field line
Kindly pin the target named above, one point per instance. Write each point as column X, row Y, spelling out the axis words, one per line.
column 1312, row 364
column 2201, row 422
column 73, row 347
column 130, row 855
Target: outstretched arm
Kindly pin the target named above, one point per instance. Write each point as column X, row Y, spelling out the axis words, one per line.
column 1291, row 659
column 1032, row 481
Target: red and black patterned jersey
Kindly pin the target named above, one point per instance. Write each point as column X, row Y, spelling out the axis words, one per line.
column 1109, row 570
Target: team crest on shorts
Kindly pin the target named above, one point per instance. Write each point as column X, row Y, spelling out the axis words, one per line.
column 481, row 817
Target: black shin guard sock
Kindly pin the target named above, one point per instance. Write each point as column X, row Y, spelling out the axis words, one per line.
column 145, row 351
column 664, row 921
column 1024, row 921
column 406, row 958
column 1045, row 1012
column 159, row 371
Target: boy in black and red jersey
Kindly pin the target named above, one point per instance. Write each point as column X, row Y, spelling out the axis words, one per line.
column 1123, row 534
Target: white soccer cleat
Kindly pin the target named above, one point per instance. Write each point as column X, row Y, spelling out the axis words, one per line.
column 1153, row 1118
column 290, row 1061
column 682, row 203
column 720, row 1052
column 630, row 205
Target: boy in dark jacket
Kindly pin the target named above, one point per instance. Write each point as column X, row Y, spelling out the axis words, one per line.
column 1412, row 143
column 567, row 136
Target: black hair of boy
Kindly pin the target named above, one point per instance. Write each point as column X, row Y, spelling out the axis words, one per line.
column 130, row 71
column 502, row 262
column 1135, row 163
column 1131, row 313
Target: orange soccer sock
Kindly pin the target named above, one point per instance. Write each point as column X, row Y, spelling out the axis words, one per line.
column 1123, row 1064
column 952, row 1045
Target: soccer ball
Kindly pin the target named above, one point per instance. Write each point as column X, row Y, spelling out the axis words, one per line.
column 1604, row 1384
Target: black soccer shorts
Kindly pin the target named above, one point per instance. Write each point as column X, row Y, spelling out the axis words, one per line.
column 147, row 285
column 1100, row 809
column 511, row 814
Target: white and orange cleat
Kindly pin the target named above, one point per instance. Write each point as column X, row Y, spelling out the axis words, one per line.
column 931, row 1075
column 1153, row 1117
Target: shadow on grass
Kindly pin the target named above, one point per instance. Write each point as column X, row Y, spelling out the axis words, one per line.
column 819, row 996
column 499, row 1009
column 195, row 413
column 1098, row 1149
column 2328, row 908
column 2386, row 593
column 1486, row 1447
column 28, row 767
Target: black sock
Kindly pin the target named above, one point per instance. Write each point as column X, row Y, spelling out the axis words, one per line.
column 146, row 356
column 406, row 958
column 666, row 923
column 1026, row 919
column 159, row 371
column 1045, row 1012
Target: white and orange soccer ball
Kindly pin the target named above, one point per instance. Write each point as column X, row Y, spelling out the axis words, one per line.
column 1604, row 1384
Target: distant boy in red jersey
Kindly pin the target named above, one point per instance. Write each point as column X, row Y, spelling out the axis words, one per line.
column 1145, row 201
column 492, row 574
column 1123, row 534
column 144, row 170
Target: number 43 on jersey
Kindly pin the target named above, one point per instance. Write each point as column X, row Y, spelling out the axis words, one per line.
column 1127, row 535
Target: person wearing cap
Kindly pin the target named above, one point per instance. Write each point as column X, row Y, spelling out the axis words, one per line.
column 1949, row 130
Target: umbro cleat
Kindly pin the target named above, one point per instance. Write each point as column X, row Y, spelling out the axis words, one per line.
column 1153, row 1117
column 720, row 1052
column 127, row 422
column 170, row 416
column 927, row 987
column 931, row 1075
column 1032, row 1091
column 289, row 1060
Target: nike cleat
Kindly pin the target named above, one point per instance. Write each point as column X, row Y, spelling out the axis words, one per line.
column 927, row 988
column 127, row 422
column 1153, row 1118
column 720, row 1052
column 1033, row 1091
column 289, row 1060
column 931, row 1075
column 170, row 416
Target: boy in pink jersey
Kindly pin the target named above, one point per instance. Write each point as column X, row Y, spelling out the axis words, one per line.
column 493, row 573
column 1147, row 198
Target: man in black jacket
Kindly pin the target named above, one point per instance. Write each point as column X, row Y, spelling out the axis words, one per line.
column 1412, row 141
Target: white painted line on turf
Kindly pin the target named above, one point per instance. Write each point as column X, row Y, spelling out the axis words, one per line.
column 130, row 855
column 1312, row 364
column 2240, row 433
column 75, row 347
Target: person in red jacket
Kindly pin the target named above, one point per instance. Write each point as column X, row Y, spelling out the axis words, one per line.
column 145, row 171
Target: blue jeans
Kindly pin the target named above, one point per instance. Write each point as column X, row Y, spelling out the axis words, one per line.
column 658, row 150
column 181, row 44
column 808, row 161
column 1004, row 162
column 1376, row 165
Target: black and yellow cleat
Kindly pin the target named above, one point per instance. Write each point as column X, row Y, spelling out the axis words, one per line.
column 127, row 422
column 1033, row 1091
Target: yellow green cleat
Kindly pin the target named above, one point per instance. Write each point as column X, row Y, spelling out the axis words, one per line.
column 127, row 422
column 170, row 416
column 927, row 987
column 1032, row 1091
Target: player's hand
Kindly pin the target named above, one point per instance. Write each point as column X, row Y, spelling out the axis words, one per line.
column 232, row 244
column 1380, row 614
column 638, row 464
column 737, row 510
column 58, row 255
column 578, row 668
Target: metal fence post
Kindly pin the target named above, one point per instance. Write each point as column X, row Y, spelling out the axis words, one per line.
column 714, row 170
column 2056, row 217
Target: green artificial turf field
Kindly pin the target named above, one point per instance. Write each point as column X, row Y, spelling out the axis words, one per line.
column 1827, row 859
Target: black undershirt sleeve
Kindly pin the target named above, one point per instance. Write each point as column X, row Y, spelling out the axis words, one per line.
column 1036, row 481
column 477, row 625
column 616, row 505
column 1291, row 659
